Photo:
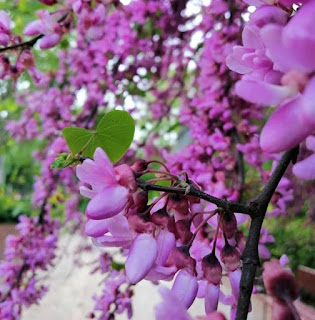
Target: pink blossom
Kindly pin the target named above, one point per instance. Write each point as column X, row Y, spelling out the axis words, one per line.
column 117, row 232
column 100, row 175
column 48, row 26
column 5, row 33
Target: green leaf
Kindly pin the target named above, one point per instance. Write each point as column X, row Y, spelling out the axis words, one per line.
column 113, row 134
column 117, row 266
column 78, row 140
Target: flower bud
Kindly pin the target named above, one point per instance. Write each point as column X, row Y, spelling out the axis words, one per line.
column 140, row 225
column 125, row 177
column 279, row 282
column 229, row 224
column 231, row 257
column 48, row 2
column 139, row 165
column 183, row 230
column 140, row 200
column 179, row 203
column 162, row 219
column 211, row 268
column 180, row 258
column 280, row 311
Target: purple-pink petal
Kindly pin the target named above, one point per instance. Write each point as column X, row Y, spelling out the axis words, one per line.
column 118, row 226
column 212, row 294
column 107, row 203
column 285, row 128
column 235, row 278
column 96, row 228
column 185, row 287
column 4, row 39
column 310, row 143
column 170, row 308
column 262, row 93
column 305, row 169
column 251, row 37
column 299, row 36
column 34, row 28
column 5, row 20
column 141, row 257
column 166, row 242
column 102, row 161
column 161, row 273
column 49, row 41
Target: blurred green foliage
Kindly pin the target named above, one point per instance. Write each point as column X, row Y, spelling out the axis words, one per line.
column 295, row 238
column 19, row 171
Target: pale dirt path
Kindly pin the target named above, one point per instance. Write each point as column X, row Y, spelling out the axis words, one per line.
column 71, row 289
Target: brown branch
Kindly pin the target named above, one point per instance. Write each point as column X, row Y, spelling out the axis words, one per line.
column 23, row 45
column 192, row 191
column 250, row 256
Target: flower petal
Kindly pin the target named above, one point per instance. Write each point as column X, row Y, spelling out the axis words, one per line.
column 166, row 242
column 5, row 20
column 34, row 28
column 96, row 228
column 107, row 203
column 212, row 293
column 305, row 169
column 49, row 41
column 310, row 143
column 141, row 257
column 285, row 128
column 102, row 161
column 262, row 93
column 170, row 308
column 185, row 288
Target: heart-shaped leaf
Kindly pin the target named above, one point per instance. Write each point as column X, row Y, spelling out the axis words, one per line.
column 113, row 134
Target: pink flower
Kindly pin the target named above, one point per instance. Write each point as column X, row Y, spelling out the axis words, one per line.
column 108, row 196
column 4, row 28
column 47, row 26
column 112, row 232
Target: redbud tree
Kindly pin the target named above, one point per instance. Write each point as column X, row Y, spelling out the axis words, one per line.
column 183, row 124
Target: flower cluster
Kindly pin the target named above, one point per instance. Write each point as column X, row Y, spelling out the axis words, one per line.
column 164, row 238
column 277, row 63
column 33, row 249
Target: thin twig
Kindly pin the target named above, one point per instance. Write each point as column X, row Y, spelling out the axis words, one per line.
column 192, row 191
